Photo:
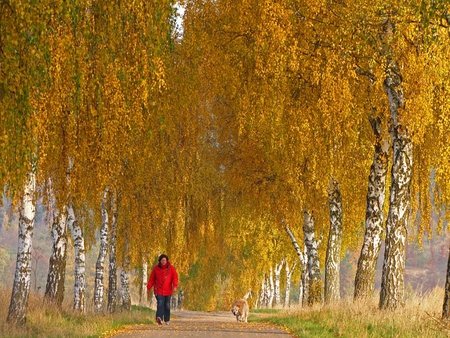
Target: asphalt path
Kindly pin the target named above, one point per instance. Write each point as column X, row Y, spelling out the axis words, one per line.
column 203, row 324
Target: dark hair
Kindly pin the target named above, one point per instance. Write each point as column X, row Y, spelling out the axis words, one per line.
column 163, row 256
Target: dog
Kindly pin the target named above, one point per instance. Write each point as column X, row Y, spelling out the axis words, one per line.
column 241, row 309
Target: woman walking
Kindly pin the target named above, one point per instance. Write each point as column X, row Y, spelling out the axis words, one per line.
column 164, row 280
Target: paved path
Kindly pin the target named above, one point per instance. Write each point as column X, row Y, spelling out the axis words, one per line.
column 203, row 324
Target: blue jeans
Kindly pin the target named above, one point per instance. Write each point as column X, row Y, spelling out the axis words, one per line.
column 163, row 307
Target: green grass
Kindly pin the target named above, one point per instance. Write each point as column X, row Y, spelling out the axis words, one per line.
column 272, row 311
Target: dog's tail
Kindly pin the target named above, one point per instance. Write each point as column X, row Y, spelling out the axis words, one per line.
column 248, row 294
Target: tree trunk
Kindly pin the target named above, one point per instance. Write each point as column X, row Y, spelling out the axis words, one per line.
column 144, row 281
column 124, row 277
column 112, row 285
column 287, row 293
column 376, row 192
column 294, row 243
column 446, row 309
column 180, row 299
column 392, row 282
column 102, row 251
column 22, row 278
column 315, row 284
column 302, row 295
column 261, row 294
column 80, row 261
column 304, row 279
column 278, row 268
column 333, row 258
column 54, row 290
column 265, row 293
column 271, row 289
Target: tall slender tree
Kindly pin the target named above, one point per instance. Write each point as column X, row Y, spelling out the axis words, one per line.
column 392, row 282
column 333, row 258
column 315, row 284
column 125, row 276
column 367, row 262
column 54, row 290
column 103, row 249
column 112, row 278
column 22, row 277
column 287, row 294
column 80, row 261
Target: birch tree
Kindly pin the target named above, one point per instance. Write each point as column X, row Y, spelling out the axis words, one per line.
column 367, row 262
column 54, row 290
column 112, row 279
column 80, row 261
column 333, row 258
column 22, row 277
column 303, row 259
column 143, row 283
column 23, row 77
column 303, row 294
column 392, row 282
column 100, row 265
column 315, row 286
column 277, row 275
column 287, row 294
column 124, row 276
column 264, row 298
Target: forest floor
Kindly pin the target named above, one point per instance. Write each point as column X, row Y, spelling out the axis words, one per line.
column 203, row 324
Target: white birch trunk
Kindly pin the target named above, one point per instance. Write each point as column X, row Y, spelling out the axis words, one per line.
column 333, row 258
column 392, row 281
column 265, row 292
column 80, row 261
column 54, row 290
column 303, row 264
column 304, row 279
column 262, row 293
column 376, row 192
column 144, row 281
column 315, row 286
column 294, row 243
column 256, row 303
column 124, row 277
column 22, row 277
column 287, row 295
column 277, row 273
column 99, row 286
column 112, row 284
column 271, row 290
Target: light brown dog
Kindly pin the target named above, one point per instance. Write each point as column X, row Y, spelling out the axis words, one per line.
column 240, row 308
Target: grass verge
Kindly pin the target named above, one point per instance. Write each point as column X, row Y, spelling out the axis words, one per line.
column 46, row 320
column 421, row 317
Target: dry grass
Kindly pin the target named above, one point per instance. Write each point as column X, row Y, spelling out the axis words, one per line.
column 421, row 317
column 46, row 320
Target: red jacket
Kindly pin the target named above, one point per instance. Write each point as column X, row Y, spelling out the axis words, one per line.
column 164, row 278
